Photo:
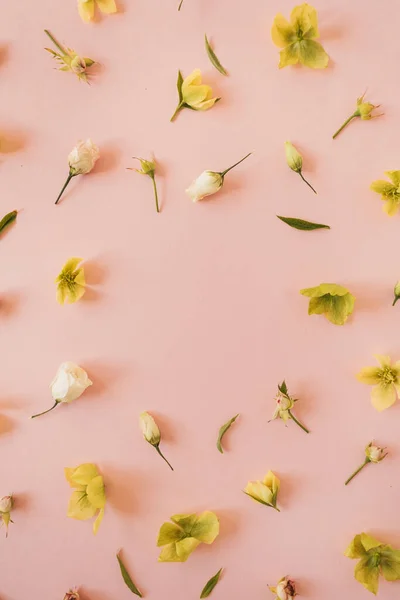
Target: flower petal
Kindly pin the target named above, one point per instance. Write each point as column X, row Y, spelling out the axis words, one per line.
column 185, row 521
column 369, row 375
column 304, row 21
column 107, row 6
column 169, row 554
column 272, row 482
column 367, row 575
column 356, row 548
column 86, row 10
column 169, row 533
column 383, row 396
column 185, row 547
column 380, row 186
column 84, row 474
column 96, row 492
column 206, row 528
column 384, row 360
column 282, row 32
column 79, row 507
column 394, row 177
column 369, row 542
column 289, row 55
column 312, row 54
column 98, row 521
column 193, row 79
column 391, row 206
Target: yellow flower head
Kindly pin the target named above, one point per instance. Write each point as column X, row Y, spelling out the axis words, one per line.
column 193, row 93
column 363, row 111
column 297, row 38
column 86, row 8
column 69, row 59
column 185, row 533
column 332, row 300
column 376, row 559
column 390, row 192
column 266, row 491
column 70, row 282
column 295, row 162
column 385, row 379
column 89, row 498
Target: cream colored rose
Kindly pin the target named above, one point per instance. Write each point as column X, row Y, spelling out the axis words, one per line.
column 206, row 184
column 150, row 430
column 83, row 157
column 69, row 383
column 6, row 504
column 374, row 453
column 285, row 590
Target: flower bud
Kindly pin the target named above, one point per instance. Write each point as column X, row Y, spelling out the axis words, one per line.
column 365, row 109
column 293, row 157
column 6, row 504
column 78, row 65
column 83, row 157
column 285, row 590
column 69, row 383
column 374, row 453
column 72, row 595
column 208, row 183
column 150, row 430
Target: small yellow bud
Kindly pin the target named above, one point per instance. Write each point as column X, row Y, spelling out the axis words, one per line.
column 150, row 430
column 293, row 157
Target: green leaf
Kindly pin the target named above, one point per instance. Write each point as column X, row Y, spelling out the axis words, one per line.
column 7, row 220
column 213, row 58
column 210, row 585
column 223, row 430
column 179, row 86
column 283, row 388
column 302, row 225
column 126, row 577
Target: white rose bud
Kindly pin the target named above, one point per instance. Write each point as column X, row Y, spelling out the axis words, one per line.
column 374, row 453
column 72, row 595
column 68, row 385
column 150, row 430
column 83, row 157
column 6, row 504
column 206, row 184
column 285, row 590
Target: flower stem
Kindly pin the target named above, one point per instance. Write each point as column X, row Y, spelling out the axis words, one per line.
column 347, row 121
column 297, row 422
column 155, row 193
column 162, row 456
column 70, row 176
column 275, row 507
column 235, row 165
column 53, row 39
column 46, row 411
column 305, row 181
column 356, row 472
column 395, row 300
column 179, row 7
column 178, row 109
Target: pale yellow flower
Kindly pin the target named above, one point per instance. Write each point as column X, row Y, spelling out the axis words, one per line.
column 86, row 8
column 71, row 282
column 385, row 379
column 265, row 491
column 193, row 93
column 389, row 191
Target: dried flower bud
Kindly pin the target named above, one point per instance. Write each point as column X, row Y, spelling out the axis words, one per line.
column 374, row 453
column 6, row 504
column 72, row 595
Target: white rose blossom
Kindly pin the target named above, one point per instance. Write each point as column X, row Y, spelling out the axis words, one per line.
column 209, row 182
column 81, row 161
column 68, row 385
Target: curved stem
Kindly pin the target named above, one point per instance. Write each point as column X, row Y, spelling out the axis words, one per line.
column 305, row 181
column 162, row 456
column 70, row 176
column 155, row 193
column 347, row 121
column 53, row 39
column 46, row 411
column 356, row 472
column 235, row 165
column 298, row 422
column 179, row 7
column 178, row 109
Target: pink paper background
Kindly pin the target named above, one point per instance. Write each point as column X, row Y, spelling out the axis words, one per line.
column 195, row 314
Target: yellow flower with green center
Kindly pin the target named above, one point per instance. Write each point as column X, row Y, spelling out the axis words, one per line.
column 297, row 38
column 376, row 559
column 193, row 94
column 390, row 192
column 385, row 379
column 332, row 300
column 89, row 498
column 185, row 533
column 363, row 111
column 265, row 491
column 86, row 8
column 70, row 282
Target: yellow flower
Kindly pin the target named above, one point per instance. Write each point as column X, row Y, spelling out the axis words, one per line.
column 297, row 38
column 266, row 491
column 193, row 94
column 332, row 300
column 89, row 498
column 390, row 192
column 385, row 379
column 70, row 282
column 295, row 162
column 148, row 168
column 86, row 8
column 363, row 111
column 70, row 60
column 185, row 533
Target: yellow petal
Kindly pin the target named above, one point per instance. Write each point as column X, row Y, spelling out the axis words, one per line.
column 391, row 206
column 380, row 186
column 96, row 493
column 304, row 20
column 70, row 266
column 193, row 79
column 207, row 104
column 195, row 94
column 80, row 277
column 74, row 293
column 394, row 177
column 169, row 533
column 289, row 55
column 79, row 507
column 271, row 481
column 282, row 32
column 86, row 10
column 185, row 547
column 84, row 474
column 383, row 396
column 312, row 54
column 68, row 472
column 369, row 375
column 107, row 6
column 98, row 521
column 169, row 554
column 259, row 492
column 62, row 290
column 206, row 528
column 384, row 360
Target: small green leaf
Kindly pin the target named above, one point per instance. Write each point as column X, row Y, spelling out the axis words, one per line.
column 7, row 220
column 283, row 388
column 179, row 86
column 126, row 577
column 223, row 430
column 210, row 585
column 213, row 57
column 302, row 225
